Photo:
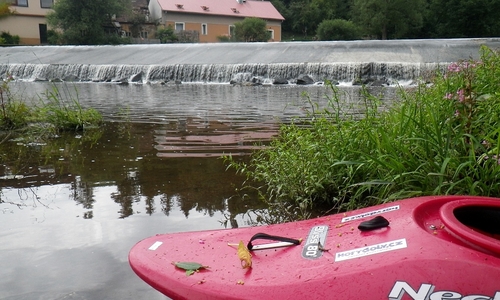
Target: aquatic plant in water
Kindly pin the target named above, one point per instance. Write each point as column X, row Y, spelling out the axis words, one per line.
column 56, row 112
column 65, row 112
column 14, row 114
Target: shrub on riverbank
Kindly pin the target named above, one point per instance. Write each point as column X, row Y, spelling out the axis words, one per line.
column 438, row 138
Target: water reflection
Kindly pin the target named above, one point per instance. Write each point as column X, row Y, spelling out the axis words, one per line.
column 123, row 158
column 191, row 137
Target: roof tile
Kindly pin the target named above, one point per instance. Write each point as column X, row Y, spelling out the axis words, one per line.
column 248, row 8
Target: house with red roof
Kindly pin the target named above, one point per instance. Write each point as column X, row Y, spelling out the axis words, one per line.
column 210, row 19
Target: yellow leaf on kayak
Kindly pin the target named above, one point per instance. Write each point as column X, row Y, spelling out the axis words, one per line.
column 244, row 255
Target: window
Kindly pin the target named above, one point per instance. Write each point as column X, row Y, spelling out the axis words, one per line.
column 272, row 33
column 179, row 27
column 231, row 30
column 21, row 3
column 46, row 3
column 144, row 34
column 204, row 29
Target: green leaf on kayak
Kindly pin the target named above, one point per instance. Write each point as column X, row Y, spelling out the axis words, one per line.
column 190, row 267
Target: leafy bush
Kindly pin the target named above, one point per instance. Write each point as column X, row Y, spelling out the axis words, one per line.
column 9, row 39
column 166, row 35
column 338, row 29
column 54, row 37
column 439, row 138
column 224, row 38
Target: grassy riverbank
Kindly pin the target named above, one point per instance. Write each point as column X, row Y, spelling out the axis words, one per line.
column 439, row 138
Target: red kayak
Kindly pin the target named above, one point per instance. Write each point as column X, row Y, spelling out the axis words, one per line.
column 439, row 247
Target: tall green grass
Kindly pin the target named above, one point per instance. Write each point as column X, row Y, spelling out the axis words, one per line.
column 13, row 114
column 56, row 110
column 60, row 108
column 437, row 138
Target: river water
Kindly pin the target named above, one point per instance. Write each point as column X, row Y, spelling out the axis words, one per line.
column 71, row 209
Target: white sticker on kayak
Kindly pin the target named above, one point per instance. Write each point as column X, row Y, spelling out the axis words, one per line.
column 316, row 239
column 155, row 246
column 370, row 213
column 370, row 250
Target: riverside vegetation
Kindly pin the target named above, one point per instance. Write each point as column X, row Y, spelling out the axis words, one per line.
column 440, row 137
column 54, row 112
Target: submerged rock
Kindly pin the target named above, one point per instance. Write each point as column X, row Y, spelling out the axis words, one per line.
column 136, row 78
column 280, row 80
column 304, row 79
column 71, row 77
column 241, row 77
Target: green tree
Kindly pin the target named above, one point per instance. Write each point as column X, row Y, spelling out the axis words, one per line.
column 465, row 18
column 338, row 29
column 5, row 8
column 87, row 22
column 389, row 18
column 251, row 30
column 305, row 15
column 137, row 19
column 302, row 17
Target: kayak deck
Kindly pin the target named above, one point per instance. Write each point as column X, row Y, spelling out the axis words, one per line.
column 423, row 249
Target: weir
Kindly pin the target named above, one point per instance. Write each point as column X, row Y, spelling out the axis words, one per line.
column 343, row 61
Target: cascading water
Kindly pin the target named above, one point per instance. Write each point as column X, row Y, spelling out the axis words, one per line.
column 218, row 73
column 342, row 61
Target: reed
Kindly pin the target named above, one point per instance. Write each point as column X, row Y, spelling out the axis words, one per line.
column 60, row 108
column 56, row 110
column 13, row 113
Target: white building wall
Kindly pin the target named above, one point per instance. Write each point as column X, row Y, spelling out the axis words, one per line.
column 25, row 22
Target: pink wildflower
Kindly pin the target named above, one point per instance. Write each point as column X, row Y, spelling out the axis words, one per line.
column 461, row 95
column 454, row 67
column 448, row 96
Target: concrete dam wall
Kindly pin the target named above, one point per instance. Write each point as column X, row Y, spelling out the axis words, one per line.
column 225, row 62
